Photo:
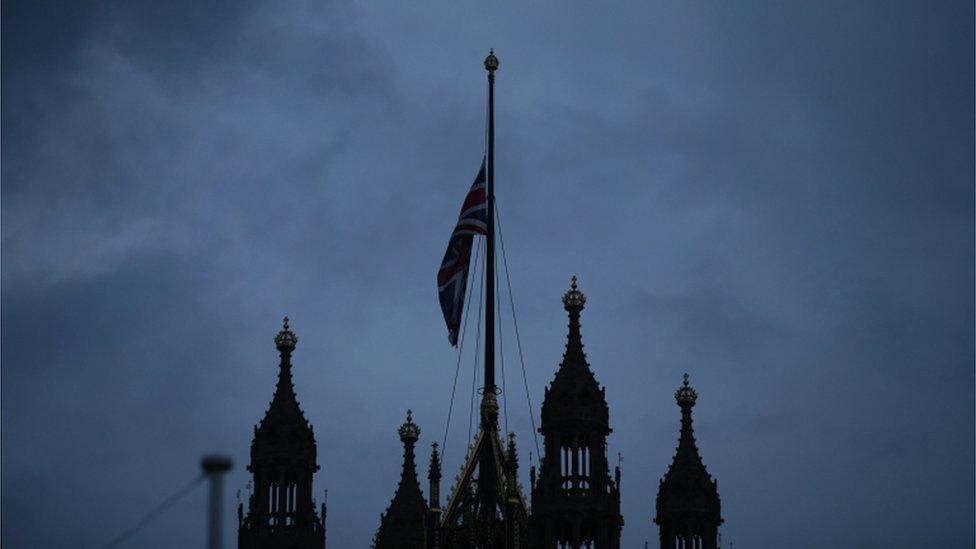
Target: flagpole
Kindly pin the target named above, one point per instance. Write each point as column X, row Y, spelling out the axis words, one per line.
column 491, row 65
column 487, row 468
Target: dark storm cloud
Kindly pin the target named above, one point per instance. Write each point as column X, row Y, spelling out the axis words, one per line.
column 776, row 199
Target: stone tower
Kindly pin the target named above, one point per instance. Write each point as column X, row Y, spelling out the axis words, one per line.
column 575, row 503
column 403, row 524
column 688, row 506
column 281, row 513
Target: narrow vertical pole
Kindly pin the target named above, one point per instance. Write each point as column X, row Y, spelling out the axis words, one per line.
column 491, row 64
column 488, row 482
column 214, row 530
column 215, row 466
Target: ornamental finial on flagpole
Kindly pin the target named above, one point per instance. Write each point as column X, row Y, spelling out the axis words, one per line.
column 491, row 62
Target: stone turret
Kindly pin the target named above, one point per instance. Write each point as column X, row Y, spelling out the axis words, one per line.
column 575, row 503
column 402, row 526
column 688, row 510
column 281, row 512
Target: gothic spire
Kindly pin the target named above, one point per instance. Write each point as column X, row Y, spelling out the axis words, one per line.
column 409, row 435
column 434, row 476
column 575, row 503
column 402, row 526
column 687, row 457
column 284, row 415
column 688, row 505
column 574, row 392
column 574, row 301
column 283, row 462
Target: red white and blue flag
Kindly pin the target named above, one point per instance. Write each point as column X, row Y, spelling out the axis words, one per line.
column 452, row 278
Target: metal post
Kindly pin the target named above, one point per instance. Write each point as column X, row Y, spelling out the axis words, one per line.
column 491, row 65
column 215, row 466
column 487, row 477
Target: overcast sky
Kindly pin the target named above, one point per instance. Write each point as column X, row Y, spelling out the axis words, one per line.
column 775, row 199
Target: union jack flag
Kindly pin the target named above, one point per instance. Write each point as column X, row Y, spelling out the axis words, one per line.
column 452, row 278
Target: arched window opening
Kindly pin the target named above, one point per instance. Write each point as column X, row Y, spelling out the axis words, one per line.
column 273, row 504
column 585, row 467
column 565, row 468
column 288, row 499
column 693, row 541
column 290, row 504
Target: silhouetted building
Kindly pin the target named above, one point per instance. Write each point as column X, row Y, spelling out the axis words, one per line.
column 473, row 518
column 574, row 501
column 281, row 513
column 403, row 524
column 688, row 506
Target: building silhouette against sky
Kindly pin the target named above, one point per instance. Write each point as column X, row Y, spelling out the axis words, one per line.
column 688, row 509
column 280, row 512
column 575, row 502
column 404, row 524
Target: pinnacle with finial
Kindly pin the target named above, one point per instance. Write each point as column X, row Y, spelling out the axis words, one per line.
column 574, row 299
column 409, row 431
column 286, row 339
column 686, row 394
column 435, row 462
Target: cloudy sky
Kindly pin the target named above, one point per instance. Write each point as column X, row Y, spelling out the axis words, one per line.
column 777, row 199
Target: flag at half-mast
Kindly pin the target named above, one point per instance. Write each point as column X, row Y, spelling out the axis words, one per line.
column 452, row 278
